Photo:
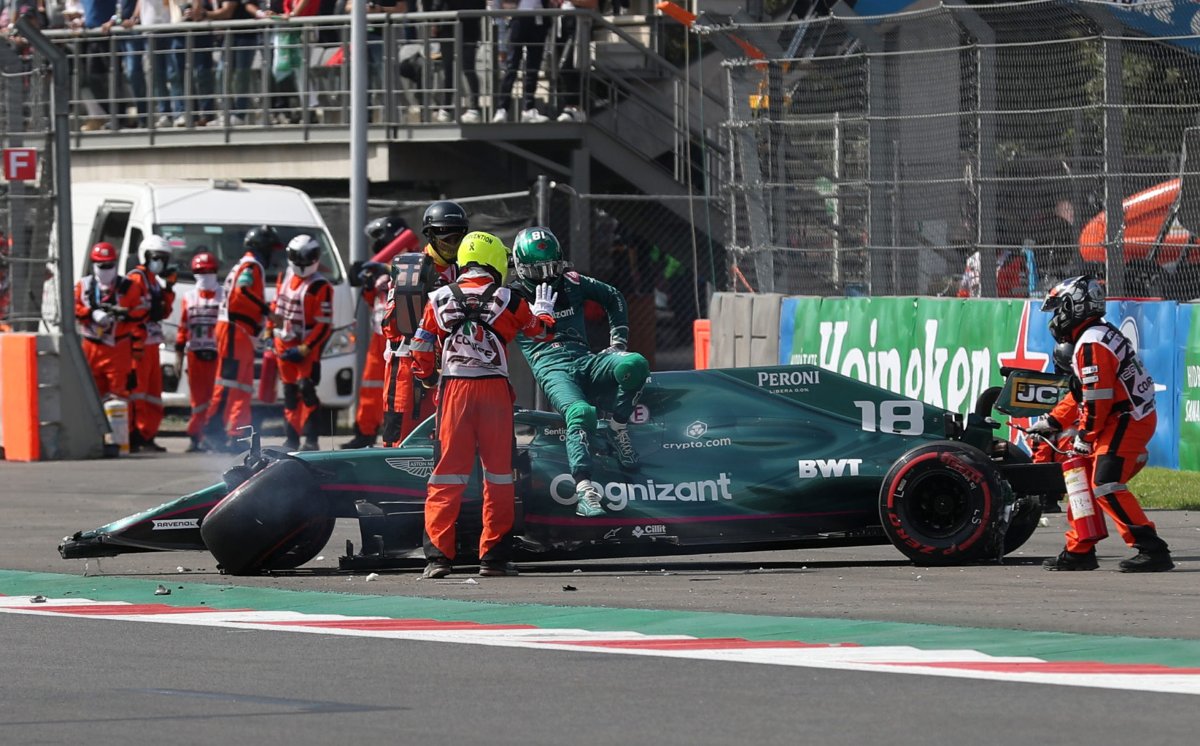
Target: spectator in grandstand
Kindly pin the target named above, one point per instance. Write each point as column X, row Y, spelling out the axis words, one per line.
column 566, row 52
column 469, row 30
column 10, row 15
column 527, row 46
column 166, row 60
column 1056, row 242
column 289, row 71
column 237, row 62
column 98, row 15
column 132, row 50
column 199, row 65
column 71, row 16
column 1016, row 274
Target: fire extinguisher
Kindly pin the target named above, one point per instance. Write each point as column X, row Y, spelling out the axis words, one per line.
column 267, row 377
column 1082, row 511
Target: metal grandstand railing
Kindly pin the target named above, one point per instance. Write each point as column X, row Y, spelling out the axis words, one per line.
column 242, row 77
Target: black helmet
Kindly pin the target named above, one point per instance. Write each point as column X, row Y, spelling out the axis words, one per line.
column 445, row 224
column 262, row 240
column 445, row 214
column 1063, row 354
column 383, row 230
column 1073, row 303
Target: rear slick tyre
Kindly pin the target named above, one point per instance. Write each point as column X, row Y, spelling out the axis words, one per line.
column 943, row 503
column 278, row 519
column 1026, row 514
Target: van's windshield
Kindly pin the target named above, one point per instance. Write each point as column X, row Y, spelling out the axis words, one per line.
column 225, row 241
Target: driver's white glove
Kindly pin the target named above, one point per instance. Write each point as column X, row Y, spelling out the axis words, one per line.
column 102, row 317
column 543, row 300
column 611, row 349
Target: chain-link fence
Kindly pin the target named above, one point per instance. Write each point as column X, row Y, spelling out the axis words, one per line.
column 642, row 245
column 877, row 155
column 26, row 205
column 657, row 251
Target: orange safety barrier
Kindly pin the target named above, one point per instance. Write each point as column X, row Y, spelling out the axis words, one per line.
column 18, row 376
column 701, row 334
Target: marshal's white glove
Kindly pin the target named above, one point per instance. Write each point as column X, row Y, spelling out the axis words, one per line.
column 1043, row 428
column 543, row 300
column 1081, row 446
column 102, row 318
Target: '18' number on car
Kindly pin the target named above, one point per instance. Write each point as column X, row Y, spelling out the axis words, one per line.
column 897, row 417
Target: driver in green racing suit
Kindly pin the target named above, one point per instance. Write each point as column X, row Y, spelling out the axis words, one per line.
column 576, row 380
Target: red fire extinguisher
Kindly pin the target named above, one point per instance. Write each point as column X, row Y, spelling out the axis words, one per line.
column 1082, row 511
column 267, row 377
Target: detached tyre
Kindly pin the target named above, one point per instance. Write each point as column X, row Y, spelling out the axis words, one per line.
column 276, row 520
column 943, row 503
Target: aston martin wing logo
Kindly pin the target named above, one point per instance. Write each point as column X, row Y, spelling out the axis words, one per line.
column 415, row 465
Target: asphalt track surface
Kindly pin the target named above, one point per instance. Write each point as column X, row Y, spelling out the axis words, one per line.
column 79, row 678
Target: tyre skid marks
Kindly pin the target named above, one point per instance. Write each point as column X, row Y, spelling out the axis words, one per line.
column 847, row 656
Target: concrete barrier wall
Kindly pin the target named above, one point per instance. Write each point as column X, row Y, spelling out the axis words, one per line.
column 745, row 329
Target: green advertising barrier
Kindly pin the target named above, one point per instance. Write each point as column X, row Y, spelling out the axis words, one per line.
column 946, row 351
column 957, row 345
column 1189, row 415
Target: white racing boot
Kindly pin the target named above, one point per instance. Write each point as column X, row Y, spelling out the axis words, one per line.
column 588, row 497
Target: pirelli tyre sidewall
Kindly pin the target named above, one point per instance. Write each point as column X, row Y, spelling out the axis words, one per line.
column 943, row 503
column 277, row 519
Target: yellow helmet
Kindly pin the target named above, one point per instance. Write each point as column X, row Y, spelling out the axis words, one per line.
column 485, row 250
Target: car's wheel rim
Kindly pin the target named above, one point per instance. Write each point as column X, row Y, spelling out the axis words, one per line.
column 938, row 505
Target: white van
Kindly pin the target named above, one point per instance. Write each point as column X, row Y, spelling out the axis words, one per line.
column 197, row 215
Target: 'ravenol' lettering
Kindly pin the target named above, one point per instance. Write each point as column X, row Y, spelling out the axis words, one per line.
column 790, row 378
column 618, row 494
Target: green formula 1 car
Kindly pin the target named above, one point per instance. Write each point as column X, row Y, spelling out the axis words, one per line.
column 731, row 460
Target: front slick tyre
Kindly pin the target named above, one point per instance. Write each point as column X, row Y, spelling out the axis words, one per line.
column 278, row 519
column 943, row 503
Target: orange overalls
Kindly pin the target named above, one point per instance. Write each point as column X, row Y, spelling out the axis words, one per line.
column 369, row 415
column 240, row 320
column 1117, row 417
column 475, row 418
column 405, row 408
column 304, row 306
column 197, row 339
column 145, row 403
column 107, row 350
column 1065, row 418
